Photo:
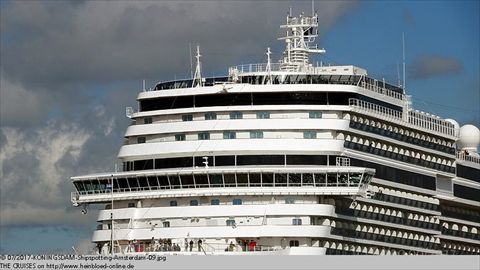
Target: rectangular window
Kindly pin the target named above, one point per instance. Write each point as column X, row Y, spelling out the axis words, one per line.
column 229, row 135
column 131, row 205
column 215, row 202
column 166, row 224
column 263, row 115
column 256, row 134
column 236, row 115
column 309, row 134
column 315, row 115
column 193, row 202
column 230, row 222
column 294, row 243
column 147, row 120
column 204, row 136
column 173, row 203
column 296, row 221
column 210, row 116
column 187, row 117
column 179, row 137
column 237, row 201
column 289, row 200
column 141, row 139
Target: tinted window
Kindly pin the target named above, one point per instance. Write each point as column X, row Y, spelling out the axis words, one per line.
column 466, row 192
column 204, row 136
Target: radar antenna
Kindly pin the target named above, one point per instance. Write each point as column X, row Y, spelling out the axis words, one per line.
column 300, row 35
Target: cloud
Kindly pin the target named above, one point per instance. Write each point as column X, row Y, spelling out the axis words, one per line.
column 19, row 106
column 427, row 66
column 100, row 41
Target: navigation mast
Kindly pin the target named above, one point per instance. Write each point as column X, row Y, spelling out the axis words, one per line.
column 300, row 35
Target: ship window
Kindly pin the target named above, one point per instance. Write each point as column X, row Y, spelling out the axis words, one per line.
column 237, row 201
column 210, row 116
column 319, row 179
column 229, row 135
column 215, row 202
column 132, row 182
column 147, row 120
column 280, row 179
column 179, row 137
column 263, row 115
column 332, row 179
column 201, row 180
column 201, row 161
column 131, row 205
column 294, row 179
column 229, row 180
column 187, row 180
column 230, row 222
column 309, row 134
column 254, row 179
column 173, row 203
column 163, row 180
column 187, row 117
column 294, row 243
column 193, row 202
column 267, row 179
column 256, row 135
column 242, row 179
column 343, row 179
column 297, row 221
column 307, row 179
column 122, row 182
column 224, row 160
column 79, row 186
column 204, row 136
column 355, row 178
column 261, row 160
column 315, row 114
column 142, row 181
column 289, row 200
column 166, row 224
column 236, row 115
column 216, row 180
column 306, row 160
column 174, row 181
column 141, row 140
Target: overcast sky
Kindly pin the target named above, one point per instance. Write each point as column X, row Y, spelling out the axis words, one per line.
column 69, row 69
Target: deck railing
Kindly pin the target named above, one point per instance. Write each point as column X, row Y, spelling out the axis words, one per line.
column 418, row 120
column 374, row 109
column 465, row 156
column 181, row 248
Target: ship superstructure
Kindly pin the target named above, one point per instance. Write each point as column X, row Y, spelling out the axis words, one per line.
column 287, row 158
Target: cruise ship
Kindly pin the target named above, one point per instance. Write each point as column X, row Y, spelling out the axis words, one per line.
column 287, row 158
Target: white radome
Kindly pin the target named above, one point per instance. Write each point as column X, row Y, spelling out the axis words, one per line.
column 469, row 137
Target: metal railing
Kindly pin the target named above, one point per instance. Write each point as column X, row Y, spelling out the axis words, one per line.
column 205, row 248
column 424, row 122
column 431, row 122
column 262, row 67
column 374, row 109
column 382, row 90
column 465, row 156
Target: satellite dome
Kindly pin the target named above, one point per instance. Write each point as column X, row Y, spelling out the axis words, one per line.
column 469, row 137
